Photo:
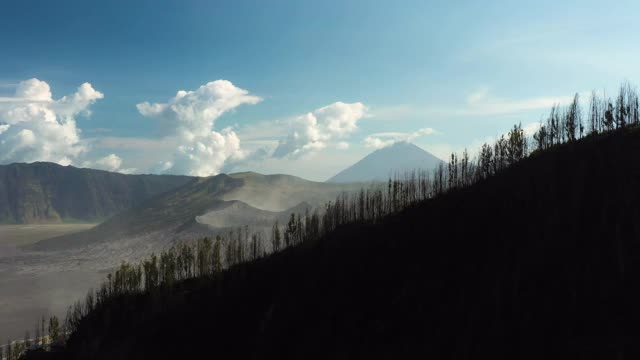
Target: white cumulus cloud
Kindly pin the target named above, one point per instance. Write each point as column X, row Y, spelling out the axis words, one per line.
column 35, row 127
column 316, row 130
column 377, row 142
column 202, row 150
column 380, row 140
column 111, row 162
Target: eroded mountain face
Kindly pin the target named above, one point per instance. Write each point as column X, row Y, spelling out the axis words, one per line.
column 49, row 193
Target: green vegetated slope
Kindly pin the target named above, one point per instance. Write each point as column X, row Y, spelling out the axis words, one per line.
column 49, row 193
column 543, row 257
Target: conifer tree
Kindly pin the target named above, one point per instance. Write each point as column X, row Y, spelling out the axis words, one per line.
column 290, row 231
column 150, row 267
column 573, row 119
column 36, row 337
column 230, row 251
column 608, row 117
column 594, row 115
column 42, row 333
column 453, row 171
column 240, row 247
column 54, row 328
column 204, row 257
column 275, row 238
column 621, row 108
column 516, row 145
column 215, row 255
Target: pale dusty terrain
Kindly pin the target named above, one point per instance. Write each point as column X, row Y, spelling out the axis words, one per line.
column 18, row 235
column 33, row 284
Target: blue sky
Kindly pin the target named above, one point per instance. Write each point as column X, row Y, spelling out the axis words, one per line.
column 322, row 82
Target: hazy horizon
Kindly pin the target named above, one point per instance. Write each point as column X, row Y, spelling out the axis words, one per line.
column 319, row 179
column 210, row 87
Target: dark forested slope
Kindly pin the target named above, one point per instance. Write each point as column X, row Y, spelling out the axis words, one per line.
column 541, row 257
column 43, row 192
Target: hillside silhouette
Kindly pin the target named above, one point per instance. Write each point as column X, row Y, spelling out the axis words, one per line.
column 540, row 258
column 527, row 249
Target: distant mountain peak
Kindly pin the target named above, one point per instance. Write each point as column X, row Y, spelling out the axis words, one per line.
column 402, row 145
column 382, row 163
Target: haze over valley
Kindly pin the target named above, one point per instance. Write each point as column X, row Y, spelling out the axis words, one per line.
column 319, row 179
column 52, row 241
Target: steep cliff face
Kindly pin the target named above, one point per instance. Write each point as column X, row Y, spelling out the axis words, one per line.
column 49, row 193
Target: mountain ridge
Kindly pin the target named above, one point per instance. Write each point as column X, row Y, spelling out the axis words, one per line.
column 176, row 212
column 44, row 192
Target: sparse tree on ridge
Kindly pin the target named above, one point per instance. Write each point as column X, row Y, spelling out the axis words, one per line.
column 36, row 337
column 229, row 254
column 204, row 248
column 594, row 113
column 54, row 328
column 42, row 327
column 215, row 255
column 620, row 107
column 151, row 277
column 275, row 238
column 290, row 231
column 515, row 145
column 8, row 348
column 240, row 246
column 453, row 171
column 608, row 117
column 573, row 119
